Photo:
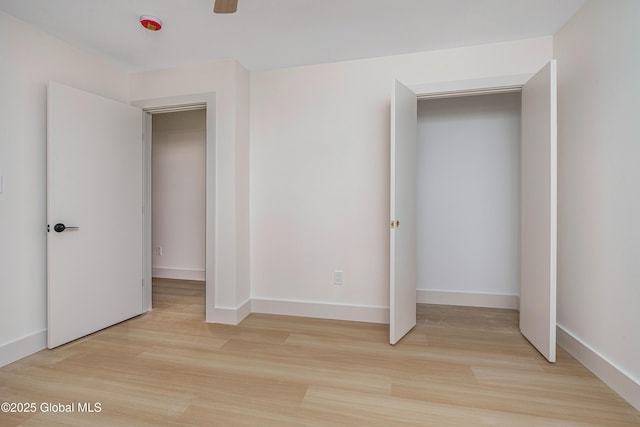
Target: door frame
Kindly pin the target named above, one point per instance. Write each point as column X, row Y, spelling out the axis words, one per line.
column 484, row 86
column 149, row 107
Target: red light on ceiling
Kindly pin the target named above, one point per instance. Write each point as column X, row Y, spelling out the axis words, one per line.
column 151, row 23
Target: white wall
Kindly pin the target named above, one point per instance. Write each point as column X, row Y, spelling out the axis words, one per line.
column 599, row 193
column 320, row 172
column 28, row 60
column 468, row 194
column 179, row 174
column 227, row 222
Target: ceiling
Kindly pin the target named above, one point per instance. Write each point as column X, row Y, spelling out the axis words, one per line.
column 266, row 34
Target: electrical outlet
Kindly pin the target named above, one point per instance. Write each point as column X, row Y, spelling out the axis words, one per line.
column 338, row 277
column 158, row 250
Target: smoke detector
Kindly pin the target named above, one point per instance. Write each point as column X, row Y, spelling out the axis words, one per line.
column 150, row 22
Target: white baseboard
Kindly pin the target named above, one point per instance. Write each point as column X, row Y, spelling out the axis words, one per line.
column 471, row 299
column 358, row 313
column 23, row 347
column 230, row 315
column 622, row 383
column 178, row 273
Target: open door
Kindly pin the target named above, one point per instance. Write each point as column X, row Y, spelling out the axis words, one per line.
column 538, row 227
column 403, row 258
column 94, row 213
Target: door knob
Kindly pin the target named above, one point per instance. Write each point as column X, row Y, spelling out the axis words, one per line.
column 60, row 227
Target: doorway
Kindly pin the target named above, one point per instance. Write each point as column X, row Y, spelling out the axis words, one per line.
column 468, row 197
column 178, row 198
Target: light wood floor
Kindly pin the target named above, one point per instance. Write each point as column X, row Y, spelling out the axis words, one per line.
column 458, row 367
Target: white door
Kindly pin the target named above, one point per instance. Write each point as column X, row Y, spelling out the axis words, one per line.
column 403, row 258
column 94, row 183
column 538, row 232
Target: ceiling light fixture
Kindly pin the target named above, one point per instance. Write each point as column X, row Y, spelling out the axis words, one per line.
column 150, row 22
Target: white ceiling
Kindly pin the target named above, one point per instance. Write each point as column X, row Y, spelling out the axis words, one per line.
column 266, row 34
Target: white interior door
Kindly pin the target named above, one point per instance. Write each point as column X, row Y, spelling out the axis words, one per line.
column 403, row 258
column 94, row 180
column 538, row 228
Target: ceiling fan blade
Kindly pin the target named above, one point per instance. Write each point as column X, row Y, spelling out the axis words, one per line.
column 225, row 6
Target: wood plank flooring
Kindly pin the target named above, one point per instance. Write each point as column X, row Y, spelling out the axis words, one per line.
column 460, row 366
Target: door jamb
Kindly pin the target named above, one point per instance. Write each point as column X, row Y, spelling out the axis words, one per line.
column 497, row 84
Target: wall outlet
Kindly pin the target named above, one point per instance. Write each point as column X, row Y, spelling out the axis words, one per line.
column 338, row 277
column 158, row 251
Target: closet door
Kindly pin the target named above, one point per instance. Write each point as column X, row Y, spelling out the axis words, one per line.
column 538, row 227
column 403, row 259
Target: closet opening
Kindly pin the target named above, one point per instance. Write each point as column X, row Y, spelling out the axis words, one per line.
column 468, row 200
column 469, row 249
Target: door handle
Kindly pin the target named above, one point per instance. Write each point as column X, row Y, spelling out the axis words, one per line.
column 60, row 227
